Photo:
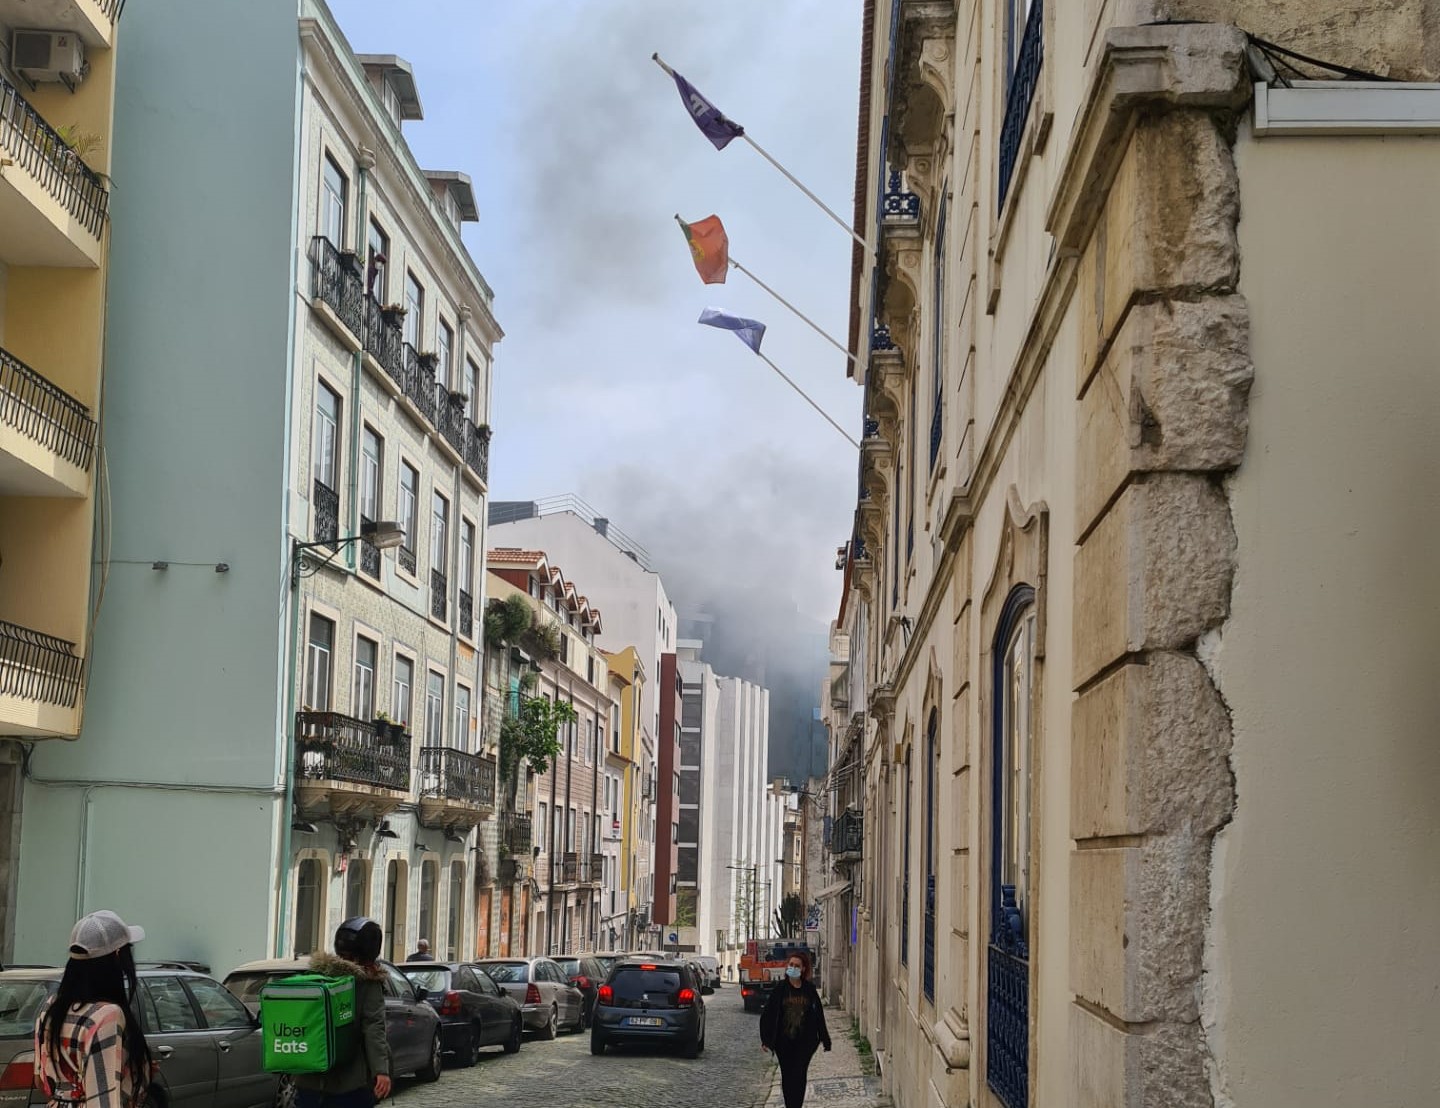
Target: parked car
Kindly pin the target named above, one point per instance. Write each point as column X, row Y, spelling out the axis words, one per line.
column 473, row 1011
column 206, row 1041
column 712, row 967
column 650, row 1002
column 411, row 1026
column 547, row 1000
column 587, row 973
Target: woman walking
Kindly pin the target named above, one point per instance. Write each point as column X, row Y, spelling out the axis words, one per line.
column 89, row 1046
column 793, row 1026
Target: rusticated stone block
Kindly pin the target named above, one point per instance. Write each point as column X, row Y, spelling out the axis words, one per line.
column 1150, row 751
column 1115, row 1068
column 1154, row 573
column 1137, row 917
column 1170, row 395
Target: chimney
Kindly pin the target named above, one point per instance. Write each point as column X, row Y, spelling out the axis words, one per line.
column 602, row 527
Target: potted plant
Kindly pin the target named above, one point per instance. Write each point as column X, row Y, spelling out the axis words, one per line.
column 393, row 314
column 381, row 723
column 457, row 400
column 428, row 360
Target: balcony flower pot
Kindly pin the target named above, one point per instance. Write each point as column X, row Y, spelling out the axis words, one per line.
column 457, row 400
column 393, row 314
column 427, row 360
column 396, row 732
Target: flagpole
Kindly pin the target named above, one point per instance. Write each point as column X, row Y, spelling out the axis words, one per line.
column 806, row 395
column 655, row 57
column 805, row 318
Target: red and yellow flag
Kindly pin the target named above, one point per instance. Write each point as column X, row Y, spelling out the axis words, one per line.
column 710, row 247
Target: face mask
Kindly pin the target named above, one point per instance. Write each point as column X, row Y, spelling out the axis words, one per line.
column 793, row 972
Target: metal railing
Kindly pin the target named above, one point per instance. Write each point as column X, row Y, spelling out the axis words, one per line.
column 450, row 418
column 327, row 515
column 569, row 868
column 405, row 555
column 38, row 667
column 44, row 412
column 420, row 382
column 112, row 9
column 847, row 833
column 937, row 428
column 44, row 153
column 898, row 203
column 437, row 595
column 595, row 871
column 369, row 552
column 1007, row 1009
column 477, row 450
column 384, row 342
column 450, row 774
column 515, row 834
column 927, row 969
column 1023, row 79
column 339, row 283
column 334, row 747
column 465, row 614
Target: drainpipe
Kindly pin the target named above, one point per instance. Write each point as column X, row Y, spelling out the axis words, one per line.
column 366, row 162
column 282, row 871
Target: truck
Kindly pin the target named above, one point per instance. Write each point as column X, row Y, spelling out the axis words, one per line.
column 762, row 967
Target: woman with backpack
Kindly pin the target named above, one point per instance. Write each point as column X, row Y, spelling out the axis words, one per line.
column 89, row 1046
column 793, row 1026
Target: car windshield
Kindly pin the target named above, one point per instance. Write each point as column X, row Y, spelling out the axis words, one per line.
column 247, row 986
column 571, row 966
column 508, row 971
column 20, row 1003
column 633, row 983
column 431, row 980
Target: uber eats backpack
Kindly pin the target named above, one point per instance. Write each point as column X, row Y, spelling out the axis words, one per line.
column 308, row 1023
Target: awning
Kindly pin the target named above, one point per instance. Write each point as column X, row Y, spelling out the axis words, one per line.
column 834, row 890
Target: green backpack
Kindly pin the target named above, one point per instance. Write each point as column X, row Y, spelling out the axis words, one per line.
column 307, row 1023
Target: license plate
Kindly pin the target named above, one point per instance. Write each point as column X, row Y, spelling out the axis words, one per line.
column 644, row 1021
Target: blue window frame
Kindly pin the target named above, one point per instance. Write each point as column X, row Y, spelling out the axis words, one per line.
column 1024, row 54
column 937, row 358
column 906, row 831
column 932, row 788
column 1007, row 1026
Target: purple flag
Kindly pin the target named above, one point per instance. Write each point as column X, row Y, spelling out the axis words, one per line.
column 711, row 121
column 748, row 331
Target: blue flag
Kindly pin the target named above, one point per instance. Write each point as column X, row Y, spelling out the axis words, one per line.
column 748, row 331
column 711, row 121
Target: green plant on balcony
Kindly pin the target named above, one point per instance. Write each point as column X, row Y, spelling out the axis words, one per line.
column 514, row 622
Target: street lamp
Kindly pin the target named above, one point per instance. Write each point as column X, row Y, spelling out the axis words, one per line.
column 383, row 534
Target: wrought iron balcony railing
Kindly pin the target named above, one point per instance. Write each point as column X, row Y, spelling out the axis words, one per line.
column 338, row 283
column 43, row 152
column 449, row 774
column 880, row 339
column 420, row 381
column 477, row 450
column 898, row 203
column 43, row 412
column 327, row 515
column 334, row 747
column 465, row 614
column 437, row 595
column 405, row 555
column 847, row 833
column 450, row 418
column 568, row 871
column 369, row 552
column 937, row 428
column 112, row 9
column 515, row 835
column 384, row 342
column 1023, row 79
column 38, row 667
column 595, row 872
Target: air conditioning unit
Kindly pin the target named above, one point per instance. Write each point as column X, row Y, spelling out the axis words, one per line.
column 48, row 56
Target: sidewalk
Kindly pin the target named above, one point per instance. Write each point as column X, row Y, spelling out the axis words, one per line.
column 837, row 1079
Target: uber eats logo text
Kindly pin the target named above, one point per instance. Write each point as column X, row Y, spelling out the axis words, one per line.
column 288, row 1039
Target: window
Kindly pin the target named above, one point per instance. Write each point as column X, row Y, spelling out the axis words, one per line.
column 932, row 816
column 397, row 892
column 439, row 531
column 378, row 270
column 542, row 829
column 334, row 200
column 409, row 504
column 1015, row 711
column 460, row 737
column 309, row 891
column 434, row 709
column 326, row 461
column 173, row 1010
column 937, row 341
column 217, row 1005
column 371, row 447
column 557, row 836
column 404, row 682
column 472, row 393
column 318, row 651
column 429, row 879
column 570, row 831
column 357, row 888
column 1022, row 24
column 456, row 927
column 467, row 557
column 445, row 348
column 414, row 306
column 362, row 698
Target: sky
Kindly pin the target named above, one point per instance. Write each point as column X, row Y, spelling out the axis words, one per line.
column 605, row 386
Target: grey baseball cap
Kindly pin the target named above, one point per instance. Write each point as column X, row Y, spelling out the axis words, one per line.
column 101, row 933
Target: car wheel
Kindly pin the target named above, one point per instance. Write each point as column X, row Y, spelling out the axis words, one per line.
column 512, row 1044
column 700, row 1047
column 431, row 1070
column 469, row 1054
column 692, row 1048
column 597, row 1043
column 552, row 1025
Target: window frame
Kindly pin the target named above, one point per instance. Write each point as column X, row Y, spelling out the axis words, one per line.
column 372, row 473
column 434, row 709
column 377, row 243
column 413, row 331
column 357, row 669
column 409, row 519
column 399, row 659
column 334, row 206
column 325, row 442
column 312, row 657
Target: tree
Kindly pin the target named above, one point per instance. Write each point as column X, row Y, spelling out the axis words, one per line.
column 533, row 736
column 789, row 917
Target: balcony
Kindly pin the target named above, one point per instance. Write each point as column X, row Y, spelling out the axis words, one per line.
column 438, row 586
column 450, row 418
column 508, row 871
column 384, row 344
column 92, row 20
column 369, row 552
column 47, row 437
column 515, row 836
column 568, row 871
column 344, row 767
column 465, row 614
column 338, row 290
column 326, row 515
column 39, row 683
column 593, row 869
column 457, row 790
column 405, row 555
column 52, row 205
column 420, row 382
column 477, row 450
column 847, row 836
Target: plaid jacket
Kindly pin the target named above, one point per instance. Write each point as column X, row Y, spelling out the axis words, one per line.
column 92, row 1067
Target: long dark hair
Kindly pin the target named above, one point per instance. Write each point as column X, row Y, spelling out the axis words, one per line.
column 108, row 980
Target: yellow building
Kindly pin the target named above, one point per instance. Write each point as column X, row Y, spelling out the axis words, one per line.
column 56, row 112
column 634, row 856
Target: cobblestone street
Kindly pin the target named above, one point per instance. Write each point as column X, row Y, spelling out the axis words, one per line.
column 731, row 1073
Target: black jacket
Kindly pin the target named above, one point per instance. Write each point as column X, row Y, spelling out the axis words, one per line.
column 373, row 1054
column 813, row 1031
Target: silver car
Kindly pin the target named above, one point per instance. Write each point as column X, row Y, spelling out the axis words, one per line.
column 547, row 1000
column 206, row 1041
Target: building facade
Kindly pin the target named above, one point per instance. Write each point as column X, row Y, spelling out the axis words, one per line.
column 1126, row 521
column 630, row 913
column 699, row 708
column 57, row 148
column 666, row 911
column 248, row 622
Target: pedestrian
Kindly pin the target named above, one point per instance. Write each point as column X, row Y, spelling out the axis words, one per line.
column 422, row 952
column 793, row 1026
column 363, row 1077
column 89, row 1046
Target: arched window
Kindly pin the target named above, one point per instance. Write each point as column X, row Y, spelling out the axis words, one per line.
column 1008, row 954
column 429, row 891
column 454, row 932
column 357, row 888
column 397, row 894
column 309, row 901
column 932, row 845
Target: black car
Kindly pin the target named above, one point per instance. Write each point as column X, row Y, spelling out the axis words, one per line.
column 587, row 973
column 643, row 1001
column 473, row 1011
